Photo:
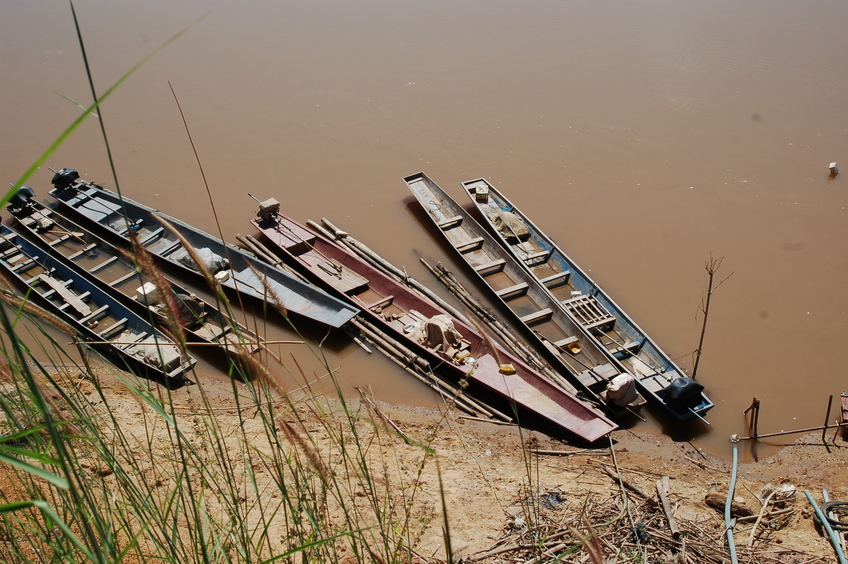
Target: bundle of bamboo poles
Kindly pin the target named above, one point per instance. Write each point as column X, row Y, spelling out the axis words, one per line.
column 360, row 329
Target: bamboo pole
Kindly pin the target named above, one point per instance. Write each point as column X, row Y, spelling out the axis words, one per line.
column 447, row 392
column 189, row 343
column 517, row 346
column 401, row 276
column 375, row 334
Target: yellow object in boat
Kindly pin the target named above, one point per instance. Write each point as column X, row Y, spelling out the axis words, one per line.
column 507, row 369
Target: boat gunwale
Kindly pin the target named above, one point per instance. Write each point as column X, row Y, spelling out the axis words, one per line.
column 620, row 314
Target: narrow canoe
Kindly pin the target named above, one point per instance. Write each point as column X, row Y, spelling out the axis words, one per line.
column 403, row 313
column 104, row 322
column 233, row 268
column 116, row 273
column 586, row 301
column 554, row 333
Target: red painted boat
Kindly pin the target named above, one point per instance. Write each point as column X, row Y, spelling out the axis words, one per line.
column 445, row 342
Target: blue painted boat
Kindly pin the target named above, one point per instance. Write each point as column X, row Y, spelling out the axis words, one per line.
column 585, row 301
column 116, row 273
column 115, row 216
column 554, row 333
column 105, row 324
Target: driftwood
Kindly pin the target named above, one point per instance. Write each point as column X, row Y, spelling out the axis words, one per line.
column 737, row 508
column 562, row 532
column 663, row 490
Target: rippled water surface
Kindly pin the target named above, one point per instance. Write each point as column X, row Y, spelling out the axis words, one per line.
column 644, row 136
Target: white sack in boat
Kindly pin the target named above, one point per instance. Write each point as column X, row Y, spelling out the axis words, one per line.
column 149, row 354
column 510, row 226
column 622, row 389
column 437, row 333
column 213, row 262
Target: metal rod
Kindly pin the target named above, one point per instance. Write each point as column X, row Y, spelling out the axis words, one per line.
column 826, row 417
column 807, row 430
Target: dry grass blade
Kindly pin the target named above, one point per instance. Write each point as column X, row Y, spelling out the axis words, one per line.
column 307, row 449
column 270, row 293
column 149, row 271
column 214, row 285
column 38, row 312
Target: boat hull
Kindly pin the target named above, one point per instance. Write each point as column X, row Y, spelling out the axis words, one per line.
column 591, row 307
column 116, row 274
column 104, row 322
column 395, row 307
column 115, row 216
column 552, row 331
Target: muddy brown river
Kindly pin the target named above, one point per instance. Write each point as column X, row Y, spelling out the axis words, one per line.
column 645, row 137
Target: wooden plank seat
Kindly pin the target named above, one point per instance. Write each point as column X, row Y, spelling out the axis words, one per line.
column 66, row 305
column 97, row 313
column 562, row 343
column 167, row 250
column 470, row 245
column 9, row 253
column 152, row 236
column 554, row 280
column 381, row 303
column 121, row 279
column 82, row 251
column 103, row 264
column 537, row 258
column 599, row 373
column 25, row 265
column 450, row 222
column 60, row 240
column 537, row 316
column 113, row 329
column 490, row 267
column 628, row 348
column 513, row 291
column 134, row 226
column 61, row 287
column 657, row 382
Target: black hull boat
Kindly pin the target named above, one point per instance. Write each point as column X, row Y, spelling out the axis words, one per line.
column 115, row 216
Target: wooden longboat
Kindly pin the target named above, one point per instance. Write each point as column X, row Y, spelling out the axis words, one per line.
column 104, row 322
column 554, row 333
column 115, row 216
column 587, row 302
column 116, row 273
column 444, row 341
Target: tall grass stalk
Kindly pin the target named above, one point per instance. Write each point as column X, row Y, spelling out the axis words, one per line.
column 99, row 465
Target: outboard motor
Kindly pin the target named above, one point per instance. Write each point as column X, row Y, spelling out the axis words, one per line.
column 20, row 200
column 63, row 179
column 683, row 393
